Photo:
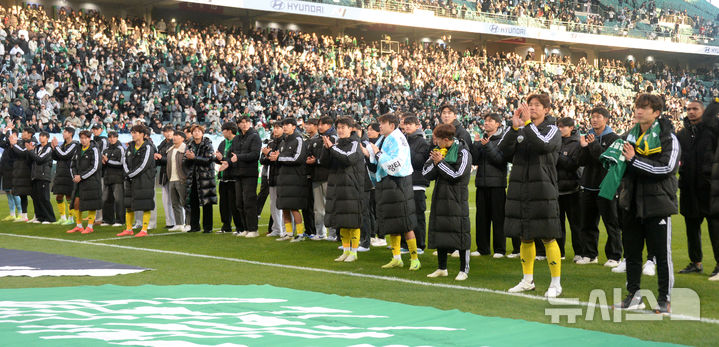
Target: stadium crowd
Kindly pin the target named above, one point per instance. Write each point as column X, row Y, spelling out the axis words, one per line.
column 348, row 156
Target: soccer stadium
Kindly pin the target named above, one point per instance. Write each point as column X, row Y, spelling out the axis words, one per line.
column 359, row 172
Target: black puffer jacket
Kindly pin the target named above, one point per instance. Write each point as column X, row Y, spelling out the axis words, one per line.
column 87, row 164
column 449, row 225
column 649, row 186
column 698, row 144
column 315, row 146
column 7, row 161
column 139, row 166
column 292, row 177
column 202, row 170
column 463, row 135
column 345, row 184
column 273, row 168
column 247, row 147
column 22, row 169
column 162, row 178
column 229, row 174
column 711, row 122
column 41, row 163
column 568, row 164
column 64, row 154
column 594, row 171
column 114, row 172
column 532, row 208
column 419, row 149
column 491, row 164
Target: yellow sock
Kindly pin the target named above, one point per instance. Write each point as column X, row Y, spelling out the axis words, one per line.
column 345, row 234
column 554, row 258
column 288, row 228
column 78, row 218
column 73, row 213
column 300, row 229
column 354, row 239
column 145, row 220
column 412, row 248
column 91, row 218
column 527, row 253
column 129, row 219
column 395, row 240
column 61, row 208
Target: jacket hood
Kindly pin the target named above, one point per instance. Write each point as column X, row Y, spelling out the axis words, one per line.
column 607, row 130
column 574, row 137
column 182, row 148
column 418, row 133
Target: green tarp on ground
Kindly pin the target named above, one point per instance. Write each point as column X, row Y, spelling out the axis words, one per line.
column 256, row 315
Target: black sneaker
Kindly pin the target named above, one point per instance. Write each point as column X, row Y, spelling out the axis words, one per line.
column 631, row 302
column 692, row 268
column 169, row 226
column 663, row 307
column 715, row 272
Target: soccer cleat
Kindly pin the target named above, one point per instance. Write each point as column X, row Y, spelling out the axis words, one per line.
column 59, row 221
column 21, row 219
column 553, row 291
column 9, row 218
column 242, row 234
column 498, row 256
column 692, row 268
column 141, row 234
column 630, row 302
column 663, row 308
column 343, row 256
column 611, row 263
column 75, row 230
column 393, row 263
column 126, row 233
column 414, row 265
column 586, row 260
column 252, row 234
column 513, row 255
column 522, row 286
column 461, row 276
column 649, row 269
column 285, row 237
column 438, row 273
column 475, row 254
column 298, row 238
column 87, row 230
column 351, row 258
column 621, row 268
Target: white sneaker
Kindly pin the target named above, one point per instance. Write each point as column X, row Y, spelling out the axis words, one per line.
column 317, row 237
column 455, row 254
column 362, row 249
column 340, row 247
column 513, row 255
column 273, row 234
column 285, row 237
column 438, row 273
column 298, row 238
column 252, row 234
column 523, row 286
column 343, row 256
column 611, row 263
column 34, row 220
column 104, row 225
column 553, row 291
column 177, row 228
column 649, row 269
column 434, row 253
column 379, row 242
column 587, row 260
column 242, row 234
column 540, row 258
column 621, row 268
column 187, row 228
column 475, row 254
column 120, row 225
column 461, row 276
column 577, row 258
column 331, row 238
column 498, row 255
column 46, row 222
column 714, row 278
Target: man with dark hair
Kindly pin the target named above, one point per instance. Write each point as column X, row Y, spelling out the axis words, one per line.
column 395, row 198
column 62, row 183
column 227, row 177
column 86, row 171
column 317, row 175
column 320, row 174
column 491, row 182
column 568, row 183
column 419, row 150
column 139, row 166
column 22, row 168
column 271, row 169
column 201, row 186
column 599, row 138
column 41, row 156
column 113, row 192
column 291, row 181
column 160, row 161
column 101, row 143
column 448, row 115
column 245, row 154
column 698, row 142
column 177, row 177
column 649, row 198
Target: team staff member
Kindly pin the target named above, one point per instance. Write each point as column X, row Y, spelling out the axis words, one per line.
column 86, row 172
column 101, row 143
column 245, row 155
column 41, row 156
column 6, row 165
column 395, row 205
column 419, row 149
column 201, row 186
column 139, row 166
column 22, row 167
column 491, row 183
column 450, row 166
column 649, row 197
column 532, row 209
column 62, row 184
column 113, row 192
column 318, row 176
column 291, row 179
column 227, row 177
column 275, row 225
column 567, row 166
column 162, row 180
column 345, row 186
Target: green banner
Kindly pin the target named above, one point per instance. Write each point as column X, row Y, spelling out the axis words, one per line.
column 226, row 315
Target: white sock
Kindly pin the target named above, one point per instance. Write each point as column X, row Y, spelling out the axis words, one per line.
column 24, row 215
column 346, row 249
column 555, row 282
column 398, row 257
column 12, row 213
column 528, row 278
column 353, row 250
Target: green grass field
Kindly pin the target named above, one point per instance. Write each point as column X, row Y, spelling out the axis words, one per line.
column 226, row 259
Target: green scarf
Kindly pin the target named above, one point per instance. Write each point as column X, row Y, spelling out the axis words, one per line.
column 452, row 152
column 646, row 143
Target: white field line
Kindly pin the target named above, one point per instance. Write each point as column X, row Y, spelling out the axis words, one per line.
column 346, row 273
column 129, row 237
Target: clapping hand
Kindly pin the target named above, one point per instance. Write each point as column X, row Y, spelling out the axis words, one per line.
column 436, row 156
column 234, row 158
column 310, row 160
column 274, row 155
column 190, row 154
column 158, row 156
column 218, row 155
column 326, row 141
column 54, row 142
column 29, row 146
column 104, row 159
column 224, row 165
column 265, row 150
